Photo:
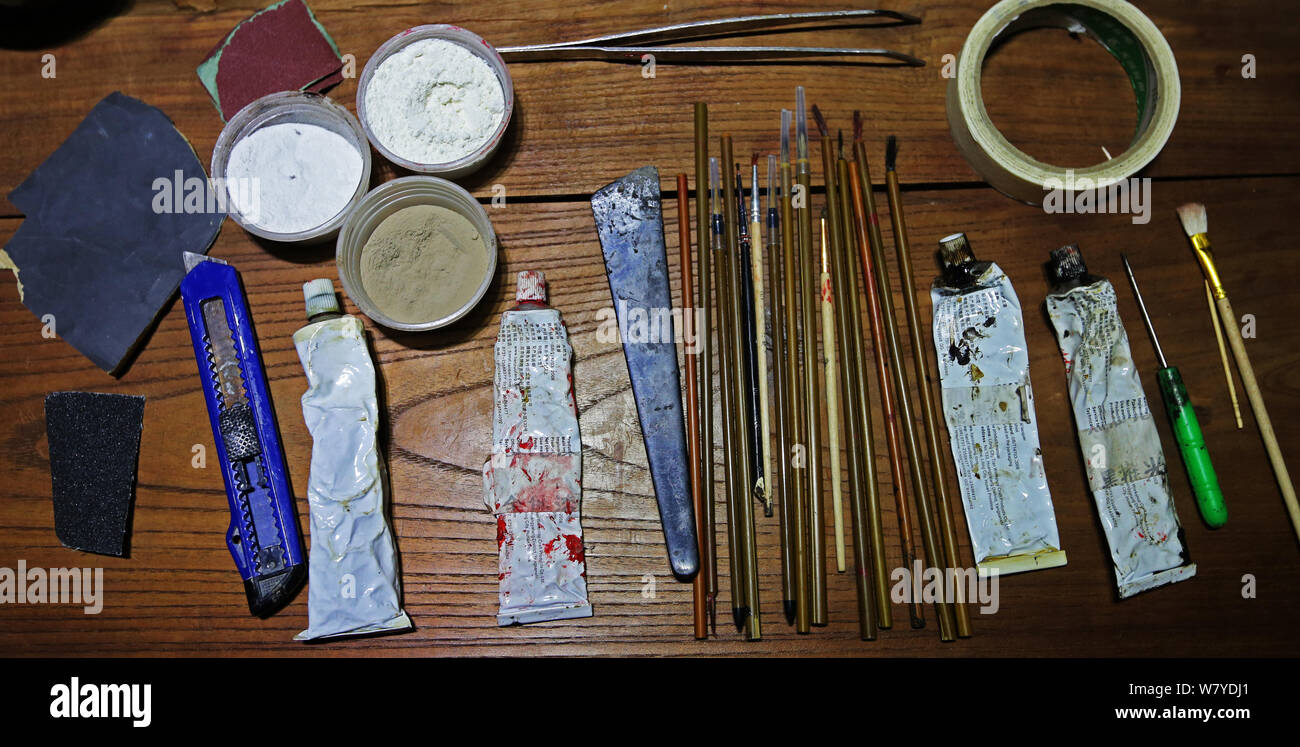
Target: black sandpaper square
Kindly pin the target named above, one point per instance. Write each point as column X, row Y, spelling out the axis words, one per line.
column 94, row 443
column 99, row 248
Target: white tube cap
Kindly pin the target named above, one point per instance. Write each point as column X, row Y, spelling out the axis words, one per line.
column 319, row 297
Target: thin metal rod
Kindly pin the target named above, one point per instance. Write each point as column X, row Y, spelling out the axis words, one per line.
column 907, row 429
column 864, row 496
column 929, row 411
column 669, row 55
column 886, row 382
column 903, row 403
column 734, row 492
column 783, row 396
column 732, row 26
column 799, row 407
column 699, row 586
column 748, row 559
column 808, row 283
column 708, row 535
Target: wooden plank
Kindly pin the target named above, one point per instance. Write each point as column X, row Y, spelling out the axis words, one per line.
column 178, row 593
column 580, row 125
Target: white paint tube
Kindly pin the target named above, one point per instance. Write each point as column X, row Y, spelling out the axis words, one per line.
column 353, row 587
column 533, row 482
column 988, row 404
column 1120, row 444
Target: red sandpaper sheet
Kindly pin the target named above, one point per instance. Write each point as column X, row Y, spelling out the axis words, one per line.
column 278, row 49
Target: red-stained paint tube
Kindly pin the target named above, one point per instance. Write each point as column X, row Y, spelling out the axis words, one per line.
column 533, row 482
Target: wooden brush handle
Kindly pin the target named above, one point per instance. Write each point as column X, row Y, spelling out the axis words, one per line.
column 1261, row 414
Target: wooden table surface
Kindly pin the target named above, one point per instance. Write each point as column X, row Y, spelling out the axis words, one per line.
column 580, row 125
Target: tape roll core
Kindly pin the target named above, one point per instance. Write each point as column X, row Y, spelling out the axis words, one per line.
column 1125, row 32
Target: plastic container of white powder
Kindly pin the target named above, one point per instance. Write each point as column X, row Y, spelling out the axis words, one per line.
column 428, row 108
column 291, row 167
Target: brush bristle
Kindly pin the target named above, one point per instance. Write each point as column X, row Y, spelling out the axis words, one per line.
column 821, row 121
column 1192, row 216
column 891, row 152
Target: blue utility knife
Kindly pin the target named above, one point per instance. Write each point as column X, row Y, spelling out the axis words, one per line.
column 263, row 535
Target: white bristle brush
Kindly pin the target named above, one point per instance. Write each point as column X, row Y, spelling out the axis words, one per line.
column 1192, row 216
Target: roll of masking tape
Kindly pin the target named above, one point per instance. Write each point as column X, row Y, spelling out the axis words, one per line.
column 1123, row 31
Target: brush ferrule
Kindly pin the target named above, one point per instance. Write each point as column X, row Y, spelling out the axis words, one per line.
column 1201, row 245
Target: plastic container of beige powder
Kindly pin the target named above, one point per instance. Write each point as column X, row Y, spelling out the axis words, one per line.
column 436, row 99
column 417, row 253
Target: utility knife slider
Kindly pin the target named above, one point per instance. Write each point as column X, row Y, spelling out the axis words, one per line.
column 263, row 535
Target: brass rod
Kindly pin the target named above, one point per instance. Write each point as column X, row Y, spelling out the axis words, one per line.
column 808, row 283
column 886, row 381
column 925, row 384
column 699, row 586
column 704, row 328
column 744, row 510
column 849, row 366
column 783, row 395
column 797, row 456
column 734, row 493
column 874, row 519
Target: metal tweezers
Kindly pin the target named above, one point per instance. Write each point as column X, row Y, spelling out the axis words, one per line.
column 625, row 47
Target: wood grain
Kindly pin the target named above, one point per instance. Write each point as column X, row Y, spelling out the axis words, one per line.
column 581, row 126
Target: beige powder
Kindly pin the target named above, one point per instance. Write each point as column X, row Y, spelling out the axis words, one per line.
column 422, row 263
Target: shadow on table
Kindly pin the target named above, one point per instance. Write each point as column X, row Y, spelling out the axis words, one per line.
column 43, row 24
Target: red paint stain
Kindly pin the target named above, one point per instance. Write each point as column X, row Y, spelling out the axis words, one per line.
column 574, row 543
column 501, row 531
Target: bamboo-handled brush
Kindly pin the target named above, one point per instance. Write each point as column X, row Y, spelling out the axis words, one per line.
column 832, row 398
column 1192, row 215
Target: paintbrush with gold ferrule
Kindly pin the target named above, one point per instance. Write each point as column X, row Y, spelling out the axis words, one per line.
column 1192, row 215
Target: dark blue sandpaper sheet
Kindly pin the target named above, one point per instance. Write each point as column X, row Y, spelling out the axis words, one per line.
column 93, row 250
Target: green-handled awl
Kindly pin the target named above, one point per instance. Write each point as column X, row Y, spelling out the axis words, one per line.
column 1187, row 431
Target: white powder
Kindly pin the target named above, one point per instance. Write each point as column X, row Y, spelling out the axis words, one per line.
column 434, row 102
column 305, row 174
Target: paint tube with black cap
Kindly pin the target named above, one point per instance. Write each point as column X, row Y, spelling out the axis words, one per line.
column 988, row 405
column 533, row 481
column 352, row 567
column 1118, row 438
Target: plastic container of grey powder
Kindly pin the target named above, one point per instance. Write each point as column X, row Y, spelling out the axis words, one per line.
column 415, row 107
column 248, row 204
column 389, row 198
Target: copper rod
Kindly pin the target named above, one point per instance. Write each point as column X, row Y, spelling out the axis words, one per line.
column 886, row 381
column 930, row 547
column 797, row 456
column 925, row 382
column 808, row 284
column 782, row 399
column 748, row 560
column 704, row 328
column 734, row 493
column 849, row 363
column 699, row 587
column 874, row 519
